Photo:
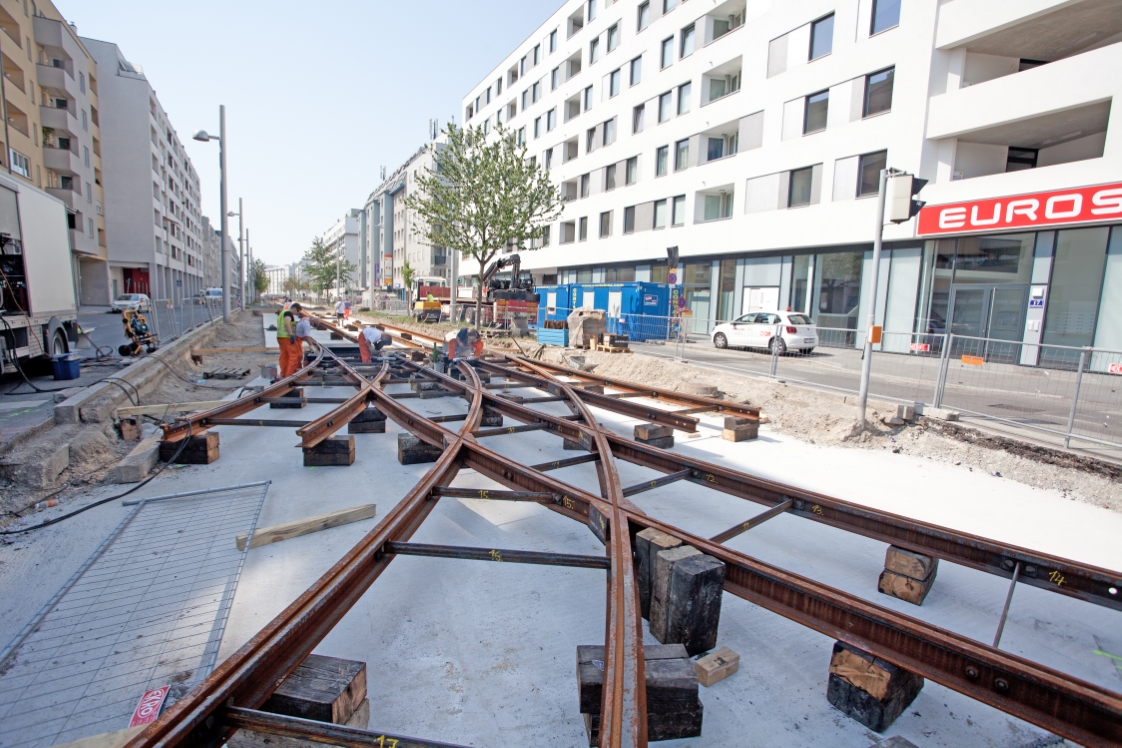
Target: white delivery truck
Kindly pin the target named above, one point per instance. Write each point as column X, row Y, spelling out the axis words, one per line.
column 38, row 305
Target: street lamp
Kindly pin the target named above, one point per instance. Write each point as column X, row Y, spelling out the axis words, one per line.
column 242, row 275
column 203, row 137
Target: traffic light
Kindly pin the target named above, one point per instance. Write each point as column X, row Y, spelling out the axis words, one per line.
column 900, row 202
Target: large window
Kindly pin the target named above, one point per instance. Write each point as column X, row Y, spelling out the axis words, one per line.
column 798, row 194
column 636, row 71
column 667, row 52
column 550, row 119
column 644, row 16
column 817, row 107
column 685, row 92
column 822, row 37
column 629, row 220
column 613, row 37
column 664, row 104
column 614, row 79
column 637, row 118
column 839, row 289
column 661, row 209
column 632, row 170
column 878, row 92
column 553, row 41
column 555, row 79
column 886, row 15
column 1077, row 277
column 609, row 177
column 591, row 10
column 678, row 214
column 681, row 155
column 688, row 34
column 594, row 50
column 669, row 5
column 587, row 98
column 605, row 224
column 662, row 161
column 583, row 228
column 869, row 168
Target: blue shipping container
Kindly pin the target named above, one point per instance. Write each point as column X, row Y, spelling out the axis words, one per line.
column 638, row 310
column 554, row 302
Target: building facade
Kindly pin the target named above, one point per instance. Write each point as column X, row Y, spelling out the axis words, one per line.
column 154, row 223
column 751, row 136
column 390, row 228
column 277, row 275
column 343, row 241
column 52, row 134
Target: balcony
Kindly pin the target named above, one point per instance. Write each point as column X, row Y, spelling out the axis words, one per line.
column 62, row 161
column 59, row 80
column 68, row 196
column 1046, row 30
column 60, row 119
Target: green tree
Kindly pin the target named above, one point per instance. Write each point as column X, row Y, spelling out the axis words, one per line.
column 259, row 279
column 484, row 195
column 407, row 273
column 324, row 267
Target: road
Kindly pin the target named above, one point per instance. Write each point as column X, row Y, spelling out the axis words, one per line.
column 108, row 332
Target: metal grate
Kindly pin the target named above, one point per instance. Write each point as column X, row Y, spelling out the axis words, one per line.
column 146, row 610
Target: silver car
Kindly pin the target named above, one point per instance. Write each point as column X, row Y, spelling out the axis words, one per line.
column 778, row 332
column 138, row 301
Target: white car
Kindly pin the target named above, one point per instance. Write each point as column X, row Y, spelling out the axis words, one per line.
column 776, row 331
column 137, row 301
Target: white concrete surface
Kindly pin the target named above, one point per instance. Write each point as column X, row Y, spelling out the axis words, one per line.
column 483, row 654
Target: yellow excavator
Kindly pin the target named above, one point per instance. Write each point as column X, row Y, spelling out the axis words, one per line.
column 431, row 294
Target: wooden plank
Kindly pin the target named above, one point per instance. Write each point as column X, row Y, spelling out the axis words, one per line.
column 212, row 351
column 716, row 666
column 159, row 410
column 306, row 526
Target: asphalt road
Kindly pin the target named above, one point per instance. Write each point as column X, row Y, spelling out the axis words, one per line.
column 108, row 332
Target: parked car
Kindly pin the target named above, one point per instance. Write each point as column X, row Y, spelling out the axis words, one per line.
column 137, row 301
column 775, row 331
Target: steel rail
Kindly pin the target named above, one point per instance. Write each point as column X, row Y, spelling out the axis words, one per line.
column 320, row 732
column 250, row 675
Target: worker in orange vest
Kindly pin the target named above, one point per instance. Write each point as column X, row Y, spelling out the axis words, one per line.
column 286, row 339
column 372, row 339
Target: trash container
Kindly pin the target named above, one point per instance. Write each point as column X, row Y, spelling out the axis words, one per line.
column 66, row 365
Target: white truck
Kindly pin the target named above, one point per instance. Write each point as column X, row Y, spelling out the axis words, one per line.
column 38, row 305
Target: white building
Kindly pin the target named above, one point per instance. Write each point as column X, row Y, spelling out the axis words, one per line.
column 212, row 255
column 751, row 136
column 388, row 227
column 277, row 275
column 153, row 220
column 343, row 240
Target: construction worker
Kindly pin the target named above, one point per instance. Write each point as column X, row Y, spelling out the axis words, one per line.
column 347, row 310
column 303, row 331
column 465, row 344
column 372, row 339
column 339, row 307
column 286, row 333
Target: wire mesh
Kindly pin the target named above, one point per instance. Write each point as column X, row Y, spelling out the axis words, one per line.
column 146, row 610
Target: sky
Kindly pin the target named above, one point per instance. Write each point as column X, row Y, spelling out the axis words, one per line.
column 318, row 95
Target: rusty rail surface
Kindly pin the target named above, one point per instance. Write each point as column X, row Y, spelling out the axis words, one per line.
column 1056, row 701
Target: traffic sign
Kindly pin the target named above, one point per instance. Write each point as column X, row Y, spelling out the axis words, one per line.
column 672, row 278
column 681, row 302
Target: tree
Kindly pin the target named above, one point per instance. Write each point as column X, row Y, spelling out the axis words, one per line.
column 407, row 273
column 324, row 266
column 259, row 279
column 485, row 194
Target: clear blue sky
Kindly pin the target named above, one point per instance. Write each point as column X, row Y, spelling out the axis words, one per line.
column 318, row 95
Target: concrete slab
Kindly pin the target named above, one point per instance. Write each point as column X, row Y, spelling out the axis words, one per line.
column 479, row 653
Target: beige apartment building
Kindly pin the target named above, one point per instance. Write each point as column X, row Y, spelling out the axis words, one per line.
column 51, row 132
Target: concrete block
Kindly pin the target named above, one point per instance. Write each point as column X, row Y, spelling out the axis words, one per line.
column 941, row 413
column 660, row 587
column 37, row 466
column 907, row 412
column 893, row 421
column 868, row 689
column 716, row 666
column 741, row 433
column 138, row 463
column 699, row 388
column 411, row 450
column 910, row 563
column 296, row 394
column 201, row 449
column 336, row 450
column 647, row 544
column 89, row 444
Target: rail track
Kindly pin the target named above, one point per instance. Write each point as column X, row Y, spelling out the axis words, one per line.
column 230, row 698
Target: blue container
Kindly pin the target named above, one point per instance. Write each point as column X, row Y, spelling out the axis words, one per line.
column 553, row 302
column 553, row 337
column 66, row 366
column 643, row 308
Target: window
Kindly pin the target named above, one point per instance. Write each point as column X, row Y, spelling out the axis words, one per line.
column 548, row 160
column 22, row 166
column 814, row 119
column 546, row 229
column 552, row 49
column 613, row 37
column 799, row 191
column 537, row 127
column 822, row 37
column 613, row 82
column 591, row 10
column 82, row 82
column 499, row 86
column 488, row 94
column 886, row 15
column 629, row 220
column 661, row 208
column 526, row 99
column 667, row 56
column 555, row 79
column 664, row 102
column 878, row 92
column 1020, row 159
column 537, row 54
column 687, row 41
column 605, row 224
column 669, row 5
column 583, row 228
column 868, row 169
column 717, row 207
column 522, row 66
column 590, row 140
column 585, row 184
column 632, row 174
column 636, row 71
column 662, row 160
column 86, row 155
column 89, row 193
column 684, row 91
column 521, row 140
column 85, row 125
column 568, row 232
column 644, row 16
column 594, row 50
column 536, row 92
column 681, row 154
column 637, row 118
column 610, row 131
column 89, row 223
column 609, row 177
column 550, row 119
column 678, row 214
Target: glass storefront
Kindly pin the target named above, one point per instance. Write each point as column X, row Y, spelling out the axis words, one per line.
column 837, row 289
column 1077, row 277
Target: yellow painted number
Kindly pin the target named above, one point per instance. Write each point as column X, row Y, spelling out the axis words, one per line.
column 1056, row 577
column 710, row 478
column 567, row 502
column 510, row 430
column 816, row 509
column 484, row 493
column 496, row 556
column 384, row 742
column 747, row 525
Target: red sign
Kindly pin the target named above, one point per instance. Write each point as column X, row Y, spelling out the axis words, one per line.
column 920, row 347
column 148, row 708
column 1079, row 205
column 1116, row 369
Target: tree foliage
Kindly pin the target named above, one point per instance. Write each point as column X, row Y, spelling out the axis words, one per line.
column 484, row 195
column 258, row 278
column 323, row 266
column 407, row 273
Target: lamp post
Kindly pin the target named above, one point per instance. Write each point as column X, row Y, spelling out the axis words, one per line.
column 203, row 137
column 242, row 275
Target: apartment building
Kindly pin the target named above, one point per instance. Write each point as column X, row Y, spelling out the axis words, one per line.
column 751, row 137
column 277, row 275
column 154, row 223
column 343, row 240
column 389, row 228
column 52, row 133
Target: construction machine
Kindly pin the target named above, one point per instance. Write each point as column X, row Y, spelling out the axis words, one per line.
column 431, row 294
column 514, row 303
column 139, row 334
